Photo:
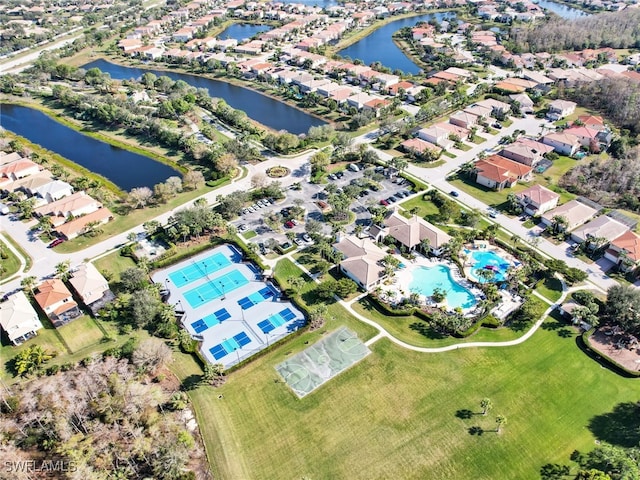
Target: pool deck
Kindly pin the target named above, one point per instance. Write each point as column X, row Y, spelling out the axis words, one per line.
column 404, row 277
column 236, row 320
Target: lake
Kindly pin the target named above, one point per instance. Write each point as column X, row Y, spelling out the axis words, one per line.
column 242, row 31
column 126, row 169
column 266, row 110
column 379, row 46
column 560, row 9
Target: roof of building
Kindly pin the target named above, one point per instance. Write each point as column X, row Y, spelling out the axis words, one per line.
column 53, row 187
column 411, row 231
column 562, row 105
column 574, row 211
column 538, row 194
column 630, row 243
column 51, row 292
column 499, row 169
column 562, row 137
column 602, row 227
column 77, row 225
column 67, row 204
column 17, row 166
column 362, row 258
column 17, row 316
column 537, row 146
column 419, row 145
column 87, row 280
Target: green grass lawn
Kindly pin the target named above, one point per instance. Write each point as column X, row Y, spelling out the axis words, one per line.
column 115, row 264
column 81, row 333
column 486, row 195
column 10, row 265
column 250, row 234
column 416, row 332
column 550, row 288
column 28, row 260
column 426, row 208
column 400, row 408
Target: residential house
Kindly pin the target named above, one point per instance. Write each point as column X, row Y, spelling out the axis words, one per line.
column 624, row 251
column 53, row 191
column 436, row 135
column 81, row 224
column 524, row 153
column 480, row 111
column 497, row 107
column 603, row 228
column 77, row 204
column 412, row 232
column 563, row 143
column 560, row 109
column 526, row 104
column 589, row 137
column 463, row 119
column 18, row 318
column 91, row 287
column 594, row 122
column 537, row 199
column 498, row 172
column 56, row 301
column 419, row 147
column 28, row 184
column 9, row 157
column 19, row 169
column 363, row 260
column 574, row 212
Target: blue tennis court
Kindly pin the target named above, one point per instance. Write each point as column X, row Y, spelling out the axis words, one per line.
column 276, row 320
column 255, row 298
column 215, row 288
column 199, row 269
column 210, row 320
column 227, row 346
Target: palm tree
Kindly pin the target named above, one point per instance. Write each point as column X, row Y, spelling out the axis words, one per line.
column 500, row 420
column 486, row 405
column 559, row 223
column 44, row 224
column 357, row 230
column 425, row 245
column 28, row 283
column 62, row 269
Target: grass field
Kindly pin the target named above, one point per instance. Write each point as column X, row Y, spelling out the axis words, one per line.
column 550, row 288
column 10, row 265
column 115, row 264
column 426, row 208
column 81, row 333
column 400, row 408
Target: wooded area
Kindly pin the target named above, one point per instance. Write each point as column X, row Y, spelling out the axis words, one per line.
column 615, row 30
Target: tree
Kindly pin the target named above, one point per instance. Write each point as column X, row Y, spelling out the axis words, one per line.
column 62, row 269
column 28, row 283
column 145, row 305
column 213, row 374
column 259, row 180
column 623, row 307
column 31, row 360
column 486, row 405
column 26, row 207
column 313, row 227
column 227, row 164
column 193, row 180
column 345, row 287
column 500, row 421
column 296, row 284
column 151, row 355
column 139, row 197
column 44, row 224
column 327, row 289
column 133, row 279
column 319, row 161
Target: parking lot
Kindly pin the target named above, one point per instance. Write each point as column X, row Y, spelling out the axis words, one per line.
column 380, row 190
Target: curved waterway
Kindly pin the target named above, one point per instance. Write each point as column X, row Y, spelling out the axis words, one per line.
column 562, row 10
column 241, row 31
column 261, row 108
column 122, row 167
column 379, row 46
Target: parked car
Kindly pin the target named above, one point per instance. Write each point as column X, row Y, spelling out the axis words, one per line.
column 375, row 188
column 384, row 202
column 392, row 199
column 263, row 249
column 289, row 224
column 298, row 241
column 339, row 174
column 354, row 168
column 56, row 242
column 453, row 193
column 306, row 237
column 497, row 126
column 331, row 176
column 285, row 246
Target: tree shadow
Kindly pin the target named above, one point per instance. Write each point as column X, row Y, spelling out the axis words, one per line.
column 620, row 427
column 426, row 331
column 464, row 414
column 476, row 430
column 191, row 382
column 559, row 327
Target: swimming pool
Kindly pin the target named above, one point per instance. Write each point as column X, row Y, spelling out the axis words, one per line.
column 482, row 259
column 426, row 279
column 197, row 270
column 215, row 288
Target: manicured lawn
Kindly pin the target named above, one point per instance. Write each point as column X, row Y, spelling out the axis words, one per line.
column 115, row 264
column 400, row 408
column 416, row 332
column 426, row 208
column 28, row 260
column 550, row 288
column 491, row 197
column 11, row 264
column 249, row 234
column 81, row 333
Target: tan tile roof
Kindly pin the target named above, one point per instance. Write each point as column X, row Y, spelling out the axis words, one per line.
column 77, row 225
column 72, row 202
column 51, row 292
column 538, row 194
column 411, row 231
column 630, row 243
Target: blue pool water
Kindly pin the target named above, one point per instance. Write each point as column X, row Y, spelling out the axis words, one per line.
column 197, row 270
column 427, row 279
column 482, row 259
column 215, row 288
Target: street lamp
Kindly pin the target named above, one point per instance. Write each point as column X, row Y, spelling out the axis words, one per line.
column 237, row 354
column 222, row 289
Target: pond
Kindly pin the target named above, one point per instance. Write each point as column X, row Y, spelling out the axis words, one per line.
column 242, row 31
column 126, row 169
column 266, row 110
column 560, row 9
column 380, row 47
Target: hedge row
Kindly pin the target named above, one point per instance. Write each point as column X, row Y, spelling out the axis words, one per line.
column 598, row 356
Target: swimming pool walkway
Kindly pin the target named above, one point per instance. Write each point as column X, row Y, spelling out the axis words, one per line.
column 383, row 333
